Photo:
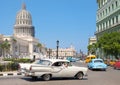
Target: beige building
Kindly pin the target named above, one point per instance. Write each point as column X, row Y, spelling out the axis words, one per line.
column 92, row 40
column 23, row 43
column 63, row 52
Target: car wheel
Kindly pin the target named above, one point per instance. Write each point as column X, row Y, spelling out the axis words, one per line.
column 46, row 77
column 79, row 76
column 104, row 69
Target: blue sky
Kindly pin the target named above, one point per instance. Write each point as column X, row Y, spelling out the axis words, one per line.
column 69, row 21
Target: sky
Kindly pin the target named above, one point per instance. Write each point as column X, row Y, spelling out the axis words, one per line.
column 72, row 22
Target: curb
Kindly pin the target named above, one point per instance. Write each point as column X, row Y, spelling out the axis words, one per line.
column 9, row 74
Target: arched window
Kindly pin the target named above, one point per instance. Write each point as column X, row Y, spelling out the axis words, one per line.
column 116, row 3
column 112, row 6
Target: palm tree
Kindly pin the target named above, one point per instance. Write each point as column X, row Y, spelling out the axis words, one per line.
column 39, row 45
column 5, row 46
column 14, row 46
column 92, row 48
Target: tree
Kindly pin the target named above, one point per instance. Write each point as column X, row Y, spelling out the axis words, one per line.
column 92, row 48
column 5, row 46
column 110, row 43
column 39, row 45
column 14, row 45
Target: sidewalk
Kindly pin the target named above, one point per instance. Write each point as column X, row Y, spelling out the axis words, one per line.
column 11, row 73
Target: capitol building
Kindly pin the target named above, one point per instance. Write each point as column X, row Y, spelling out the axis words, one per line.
column 22, row 43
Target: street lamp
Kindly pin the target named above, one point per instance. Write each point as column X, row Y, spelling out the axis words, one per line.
column 57, row 49
column 49, row 53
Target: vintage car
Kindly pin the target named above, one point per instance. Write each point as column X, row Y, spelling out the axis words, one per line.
column 117, row 65
column 49, row 68
column 97, row 64
column 71, row 59
column 89, row 58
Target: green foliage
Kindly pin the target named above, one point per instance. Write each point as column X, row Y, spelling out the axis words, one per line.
column 21, row 60
column 92, row 48
column 13, row 65
column 9, row 66
column 1, row 67
column 110, row 43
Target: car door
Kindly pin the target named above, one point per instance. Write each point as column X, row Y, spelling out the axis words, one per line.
column 68, row 71
column 59, row 70
column 56, row 69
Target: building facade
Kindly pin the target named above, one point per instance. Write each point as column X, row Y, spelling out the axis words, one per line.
column 108, row 16
column 92, row 40
column 23, row 43
column 108, row 19
column 62, row 52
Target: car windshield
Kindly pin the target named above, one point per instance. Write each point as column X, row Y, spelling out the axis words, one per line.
column 98, row 61
column 43, row 62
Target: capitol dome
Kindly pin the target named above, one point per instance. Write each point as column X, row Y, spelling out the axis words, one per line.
column 23, row 17
column 23, row 24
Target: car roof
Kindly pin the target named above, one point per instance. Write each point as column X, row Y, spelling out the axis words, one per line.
column 96, row 59
column 56, row 60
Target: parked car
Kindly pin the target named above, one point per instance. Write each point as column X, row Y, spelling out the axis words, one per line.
column 49, row 68
column 112, row 63
column 117, row 65
column 71, row 59
column 97, row 64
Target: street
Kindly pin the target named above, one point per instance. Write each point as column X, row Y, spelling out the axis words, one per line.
column 109, row 77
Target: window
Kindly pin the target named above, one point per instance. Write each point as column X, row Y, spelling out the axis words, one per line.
column 106, row 11
column 98, row 17
column 100, row 14
column 43, row 62
column 113, row 21
column 109, row 9
column 98, row 61
column 103, row 13
column 57, row 64
column 109, row 22
column 106, row 24
column 112, row 6
column 116, row 19
column 116, row 4
column 103, row 26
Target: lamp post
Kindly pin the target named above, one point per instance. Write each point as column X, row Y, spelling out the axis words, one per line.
column 57, row 49
column 49, row 53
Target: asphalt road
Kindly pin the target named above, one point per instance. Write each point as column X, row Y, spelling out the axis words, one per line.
column 109, row 77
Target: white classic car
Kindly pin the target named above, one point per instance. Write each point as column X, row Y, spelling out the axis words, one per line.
column 49, row 68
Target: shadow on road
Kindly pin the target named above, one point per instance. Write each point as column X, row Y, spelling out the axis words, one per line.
column 53, row 79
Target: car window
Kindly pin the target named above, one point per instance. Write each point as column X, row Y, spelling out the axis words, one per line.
column 57, row 64
column 43, row 62
column 92, row 57
column 98, row 61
